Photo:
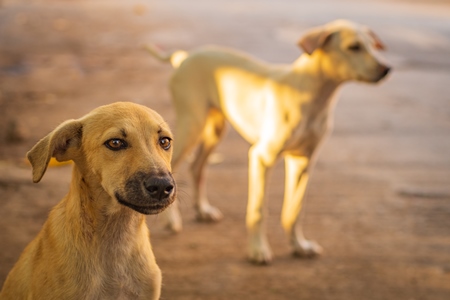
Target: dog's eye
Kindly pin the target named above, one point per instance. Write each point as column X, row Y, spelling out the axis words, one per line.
column 354, row 47
column 165, row 143
column 116, row 144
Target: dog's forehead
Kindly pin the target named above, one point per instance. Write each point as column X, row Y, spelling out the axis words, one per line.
column 342, row 25
column 123, row 116
column 348, row 30
column 349, row 34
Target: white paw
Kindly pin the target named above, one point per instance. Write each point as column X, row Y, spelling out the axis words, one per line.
column 173, row 219
column 174, row 226
column 307, row 249
column 208, row 213
column 259, row 252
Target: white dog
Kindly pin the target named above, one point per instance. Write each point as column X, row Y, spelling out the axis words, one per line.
column 282, row 110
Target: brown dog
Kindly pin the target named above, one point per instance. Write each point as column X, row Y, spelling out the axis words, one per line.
column 95, row 243
column 282, row 110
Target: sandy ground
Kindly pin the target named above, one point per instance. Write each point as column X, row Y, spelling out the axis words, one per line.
column 379, row 197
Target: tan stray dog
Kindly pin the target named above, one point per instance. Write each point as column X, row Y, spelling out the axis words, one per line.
column 282, row 110
column 95, row 243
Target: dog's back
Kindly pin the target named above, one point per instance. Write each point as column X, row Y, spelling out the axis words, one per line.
column 209, row 60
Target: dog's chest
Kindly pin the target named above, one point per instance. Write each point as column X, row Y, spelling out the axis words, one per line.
column 308, row 133
column 120, row 273
column 120, row 282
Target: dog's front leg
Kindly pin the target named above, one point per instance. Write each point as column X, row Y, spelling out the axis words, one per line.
column 172, row 217
column 258, row 248
column 296, row 181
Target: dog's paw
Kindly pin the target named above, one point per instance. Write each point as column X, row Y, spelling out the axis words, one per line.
column 259, row 251
column 174, row 227
column 173, row 219
column 209, row 214
column 307, row 249
column 260, row 256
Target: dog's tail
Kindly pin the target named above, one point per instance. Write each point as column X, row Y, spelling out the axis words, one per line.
column 175, row 58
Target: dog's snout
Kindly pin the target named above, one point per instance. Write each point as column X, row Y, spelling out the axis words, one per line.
column 385, row 70
column 159, row 187
column 381, row 72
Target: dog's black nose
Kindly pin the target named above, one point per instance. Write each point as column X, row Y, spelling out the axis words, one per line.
column 386, row 71
column 382, row 72
column 159, row 187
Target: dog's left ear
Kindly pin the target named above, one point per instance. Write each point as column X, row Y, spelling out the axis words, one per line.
column 60, row 143
column 314, row 39
column 377, row 43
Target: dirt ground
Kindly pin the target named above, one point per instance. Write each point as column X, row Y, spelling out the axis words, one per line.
column 379, row 197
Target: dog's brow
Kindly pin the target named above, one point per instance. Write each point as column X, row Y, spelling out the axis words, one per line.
column 163, row 129
column 163, row 122
column 160, row 129
column 124, row 133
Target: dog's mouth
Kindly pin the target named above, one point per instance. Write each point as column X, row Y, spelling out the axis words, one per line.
column 148, row 193
column 155, row 207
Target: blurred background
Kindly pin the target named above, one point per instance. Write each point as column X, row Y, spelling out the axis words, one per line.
column 379, row 197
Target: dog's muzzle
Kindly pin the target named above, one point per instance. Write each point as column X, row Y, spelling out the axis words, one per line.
column 159, row 187
column 148, row 193
column 383, row 71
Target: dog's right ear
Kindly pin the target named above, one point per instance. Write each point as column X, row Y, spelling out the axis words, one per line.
column 314, row 39
column 60, row 143
column 377, row 43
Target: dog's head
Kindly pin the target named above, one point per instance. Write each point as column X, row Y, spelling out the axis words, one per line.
column 121, row 148
column 348, row 51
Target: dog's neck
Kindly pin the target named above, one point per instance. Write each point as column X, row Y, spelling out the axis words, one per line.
column 103, row 250
column 320, row 78
column 94, row 223
column 318, row 65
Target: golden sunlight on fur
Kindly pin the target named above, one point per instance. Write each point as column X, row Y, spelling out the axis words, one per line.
column 281, row 110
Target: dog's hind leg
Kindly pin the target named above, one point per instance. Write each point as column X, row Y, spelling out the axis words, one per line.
column 188, row 130
column 296, row 181
column 211, row 135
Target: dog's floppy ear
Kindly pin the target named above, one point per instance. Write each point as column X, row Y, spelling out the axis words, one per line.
column 377, row 43
column 314, row 39
column 60, row 143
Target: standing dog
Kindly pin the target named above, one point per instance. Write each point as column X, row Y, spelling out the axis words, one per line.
column 95, row 243
column 282, row 110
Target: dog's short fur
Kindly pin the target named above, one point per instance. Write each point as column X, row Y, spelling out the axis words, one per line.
column 282, row 110
column 95, row 243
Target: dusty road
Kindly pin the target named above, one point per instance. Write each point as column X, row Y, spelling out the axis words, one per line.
column 379, row 198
